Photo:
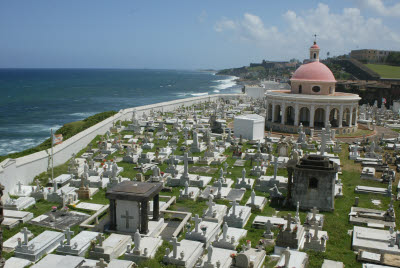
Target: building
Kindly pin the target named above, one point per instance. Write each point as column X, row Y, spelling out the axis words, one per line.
column 312, row 101
column 370, row 55
column 249, row 126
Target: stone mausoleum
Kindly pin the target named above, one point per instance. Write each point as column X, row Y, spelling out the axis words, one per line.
column 313, row 183
column 312, row 101
column 129, row 201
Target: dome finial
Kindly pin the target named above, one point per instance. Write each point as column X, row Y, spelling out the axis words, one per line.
column 315, row 39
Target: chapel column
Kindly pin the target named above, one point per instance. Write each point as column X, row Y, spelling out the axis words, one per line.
column 312, row 113
column 144, row 217
column 156, row 207
column 341, row 116
column 296, row 115
column 283, row 111
column 351, row 117
column 113, row 216
column 355, row 122
column 327, row 113
column 273, row 113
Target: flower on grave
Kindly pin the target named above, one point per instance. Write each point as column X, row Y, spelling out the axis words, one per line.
column 203, row 228
column 102, row 164
column 295, row 229
column 112, row 160
column 248, row 242
column 261, row 242
column 53, row 208
column 280, row 226
column 233, row 255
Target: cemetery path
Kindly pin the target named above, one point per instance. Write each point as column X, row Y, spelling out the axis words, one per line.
column 378, row 133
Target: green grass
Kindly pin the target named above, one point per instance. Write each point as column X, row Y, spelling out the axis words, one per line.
column 385, row 71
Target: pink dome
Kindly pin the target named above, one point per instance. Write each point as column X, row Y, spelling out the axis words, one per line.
column 315, row 46
column 313, row 71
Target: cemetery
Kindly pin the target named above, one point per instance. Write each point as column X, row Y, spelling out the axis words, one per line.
column 190, row 188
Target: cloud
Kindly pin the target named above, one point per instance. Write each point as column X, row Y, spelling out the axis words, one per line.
column 379, row 7
column 337, row 32
column 202, row 17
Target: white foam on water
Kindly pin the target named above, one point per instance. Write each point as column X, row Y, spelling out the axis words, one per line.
column 225, row 83
column 8, row 146
column 29, row 128
column 82, row 115
column 199, row 94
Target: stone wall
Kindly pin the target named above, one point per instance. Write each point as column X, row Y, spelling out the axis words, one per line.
column 25, row 168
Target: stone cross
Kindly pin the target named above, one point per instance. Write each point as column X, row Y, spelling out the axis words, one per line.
column 219, row 185
column 287, row 257
column 100, row 237
column 127, row 218
column 19, row 187
column 323, row 142
column 297, row 212
column 275, row 167
column 186, row 193
column 314, row 212
column 234, row 207
column 102, row 263
column 136, row 240
column 315, row 236
column 68, row 233
column 226, row 165
column 210, row 204
column 26, row 233
column 253, row 197
column 196, row 220
column 55, row 185
column 221, row 173
column 289, row 221
column 209, row 253
column 225, row 231
column 185, row 162
column 268, row 227
column 243, row 174
column 175, row 245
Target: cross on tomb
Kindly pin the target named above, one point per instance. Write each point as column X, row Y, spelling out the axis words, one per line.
column 185, row 162
column 275, row 167
column 175, row 245
column 19, row 186
column 68, row 233
column 289, row 221
column 100, row 238
column 196, row 220
column 210, row 204
column 234, row 207
column 314, row 212
column 315, row 237
column 268, row 227
column 127, row 218
column 102, row 263
column 25, row 232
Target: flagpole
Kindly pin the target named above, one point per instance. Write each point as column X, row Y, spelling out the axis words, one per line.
column 52, row 156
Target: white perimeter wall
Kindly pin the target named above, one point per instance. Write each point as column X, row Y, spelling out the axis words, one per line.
column 24, row 169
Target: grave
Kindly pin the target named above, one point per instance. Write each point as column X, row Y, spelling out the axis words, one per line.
column 144, row 248
column 230, row 237
column 36, row 248
column 12, row 242
column 60, row 219
column 24, row 190
column 216, row 257
column 111, row 248
column 368, row 173
column 293, row 258
column 265, row 183
column 289, row 237
column 53, row 260
column 14, row 262
column 78, row 245
column 332, row 264
column 314, row 218
column 184, row 253
column 237, row 215
column 315, row 239
column 360, row 189
column 129, row 202
column 368, row 216
column 21, row 216
column 189, row 192
column 214, row 212
column 257, row 203
column 89, row 206
column 260, row 222
column 376, row 241
column 244, row 182
column 203, row 231
column 250, row 257
column 21, row 203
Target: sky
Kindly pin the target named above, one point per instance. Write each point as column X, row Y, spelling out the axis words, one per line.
column 188, row 34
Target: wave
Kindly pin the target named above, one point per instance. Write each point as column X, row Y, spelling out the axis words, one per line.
column 29, row 128
column 199, row 94
column 8, row 146
column 82, row 115
column 225, row 83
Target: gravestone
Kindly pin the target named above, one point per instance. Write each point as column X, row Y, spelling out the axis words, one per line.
column 111, row 248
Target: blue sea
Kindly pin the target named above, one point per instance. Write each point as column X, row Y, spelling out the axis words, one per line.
column 33, row 101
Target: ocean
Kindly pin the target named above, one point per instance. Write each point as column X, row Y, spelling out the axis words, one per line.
column 33, row 101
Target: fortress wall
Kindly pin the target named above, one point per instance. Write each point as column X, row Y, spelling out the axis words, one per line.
column 25, row 168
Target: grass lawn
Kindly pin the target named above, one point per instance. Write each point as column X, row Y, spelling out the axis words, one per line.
column 385, row 71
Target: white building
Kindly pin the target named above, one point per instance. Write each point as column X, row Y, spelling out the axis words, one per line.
column 250, row 126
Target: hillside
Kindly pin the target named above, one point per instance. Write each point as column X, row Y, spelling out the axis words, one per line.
column 385, row 71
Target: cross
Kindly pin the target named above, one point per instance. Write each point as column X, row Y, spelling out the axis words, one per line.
column 268, row 227
column 323, row 142
column 314, row 212
column 127, row 218
column 185, row 162
column 19, row 186
column 234, row 207
column 275, row 167
column 68, row 234
column 315, row 237
column 289, row 221
column 102, row 263
column 315, row 38
column 26, row 232
column 196, row 220
column 100, row 237
column 175, row 245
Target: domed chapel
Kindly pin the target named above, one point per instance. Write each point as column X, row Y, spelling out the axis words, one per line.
column 312, row 101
